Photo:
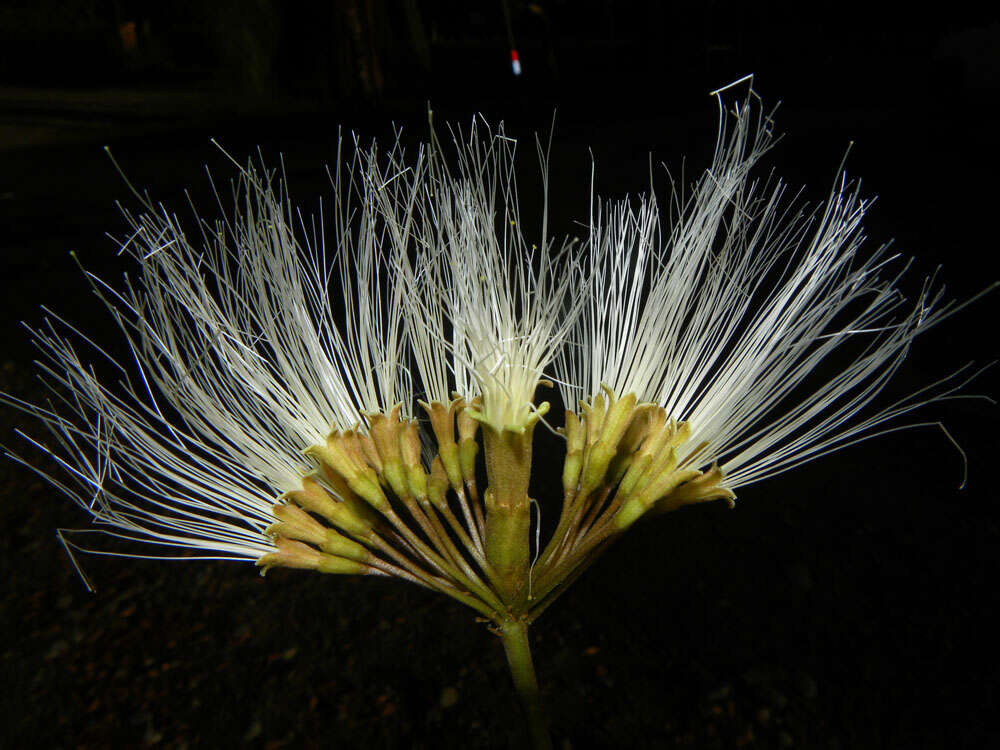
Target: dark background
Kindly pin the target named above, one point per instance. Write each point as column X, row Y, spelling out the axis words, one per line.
column 847, row 604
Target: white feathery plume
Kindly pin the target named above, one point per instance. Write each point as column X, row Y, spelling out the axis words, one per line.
column 139, row 477
column 239, row 365
column 642, row 289
column 483, row 301
column 729, row 322
column 402, row 194
column 376, row 350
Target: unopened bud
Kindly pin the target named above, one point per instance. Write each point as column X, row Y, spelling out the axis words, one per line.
column 349, row 514
column 705, row 487
column 574, row 452
column 292, row 554
column 437, row 484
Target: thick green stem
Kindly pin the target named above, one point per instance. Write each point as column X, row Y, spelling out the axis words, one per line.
column 514, row 635
column 508, row 512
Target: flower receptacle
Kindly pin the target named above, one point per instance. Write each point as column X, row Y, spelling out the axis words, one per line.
column 508, row 508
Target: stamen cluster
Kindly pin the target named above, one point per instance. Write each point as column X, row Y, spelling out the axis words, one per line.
column 279, row 358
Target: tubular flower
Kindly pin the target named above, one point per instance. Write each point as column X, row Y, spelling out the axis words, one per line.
column 317, row 395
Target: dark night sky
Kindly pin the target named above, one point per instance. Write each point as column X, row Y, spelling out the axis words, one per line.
column 842, row 605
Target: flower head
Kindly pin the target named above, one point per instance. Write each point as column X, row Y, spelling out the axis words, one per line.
column 277, row 359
